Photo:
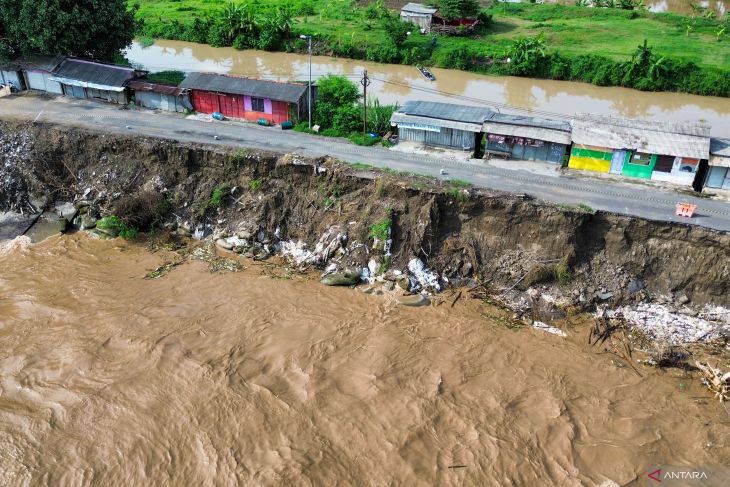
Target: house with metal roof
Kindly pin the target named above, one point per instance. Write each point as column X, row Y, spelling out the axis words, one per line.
column 89, row 79
column 418, row 14
column 661, row 151
column 12, row 74
column 38, row 71
column 526, row 138
column 159, row 96
column 718, row 174
column 441, row 124
column 247, row 98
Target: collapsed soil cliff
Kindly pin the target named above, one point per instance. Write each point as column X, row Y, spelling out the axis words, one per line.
column 460, row 232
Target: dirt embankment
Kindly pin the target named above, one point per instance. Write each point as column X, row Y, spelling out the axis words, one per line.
column 461, row 233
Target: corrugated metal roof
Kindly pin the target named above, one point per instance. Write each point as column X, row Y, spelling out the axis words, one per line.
column 530, row 127
column 672, row 139
column 93, row 74
column 144, row 85
column 720, row 147
column 446, row 111
column 288, row 92
column 402, row 118
column 43, row 63
column 418, row 8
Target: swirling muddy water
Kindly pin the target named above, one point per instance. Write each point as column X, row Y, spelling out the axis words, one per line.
column 392, row 83
column 200, row 378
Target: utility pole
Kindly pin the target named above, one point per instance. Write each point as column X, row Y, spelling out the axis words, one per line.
column 309, row 88
column 365, row 82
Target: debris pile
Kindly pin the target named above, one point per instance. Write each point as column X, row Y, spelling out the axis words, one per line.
column 715, row 380
column 660, row 322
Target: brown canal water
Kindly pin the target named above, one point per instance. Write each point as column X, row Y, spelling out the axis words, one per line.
column 200, row 378
column 398, row 83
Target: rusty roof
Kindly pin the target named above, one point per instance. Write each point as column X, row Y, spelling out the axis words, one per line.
column 146, row 85
column 236, row 85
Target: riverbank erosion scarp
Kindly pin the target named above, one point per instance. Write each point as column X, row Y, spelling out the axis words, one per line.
column 270, row 200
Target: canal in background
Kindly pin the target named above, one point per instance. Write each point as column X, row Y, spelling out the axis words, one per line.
column 398, row 83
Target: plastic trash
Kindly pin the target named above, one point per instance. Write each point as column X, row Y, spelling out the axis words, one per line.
column 217, row 115
column 287, row 125
column 264, row 122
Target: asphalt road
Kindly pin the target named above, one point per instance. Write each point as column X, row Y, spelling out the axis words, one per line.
column 641, row 200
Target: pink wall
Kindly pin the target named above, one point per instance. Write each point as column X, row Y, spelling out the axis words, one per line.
column 247, row 105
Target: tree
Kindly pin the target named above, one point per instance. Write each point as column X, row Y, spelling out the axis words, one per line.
column 458, row 9
column 525, row 54
column 397, row 30
column 337, row 90
column 96, row 29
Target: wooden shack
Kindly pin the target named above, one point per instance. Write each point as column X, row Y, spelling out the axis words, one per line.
column 247, row 98
column 419, row 14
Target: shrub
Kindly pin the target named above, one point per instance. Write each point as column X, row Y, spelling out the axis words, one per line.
column 563, row 274
column 143, row 210
column 255, row 184
column 384, row 266
column 171, row 77
column 217, row 195
column 366, row 140
column 458, row 194
column 116, row 224
column 381, row 230
column 460, row 183
column 111, row 222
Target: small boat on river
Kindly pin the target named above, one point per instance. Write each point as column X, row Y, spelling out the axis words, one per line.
column 427, row 73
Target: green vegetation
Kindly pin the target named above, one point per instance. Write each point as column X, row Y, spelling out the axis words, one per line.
column 570, row 42
column 366, row 140
column 87, row 28
column 585, row 208
column 562, row 273
column 255, row 184
column 458, row 194
column 217, row 195
column 169, row 77
column 384, row 266
column 458, row 9
column 460, row 183
column 362, row 165
column 114, row 225
column 339, row 113
column 381, row 230
column 146, row 41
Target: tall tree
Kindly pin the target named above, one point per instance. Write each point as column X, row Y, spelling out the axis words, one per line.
column 458, row 9
column 90, row 28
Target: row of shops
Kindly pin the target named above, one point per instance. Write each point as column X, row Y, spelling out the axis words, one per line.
column 232, row 96
column 678, row 153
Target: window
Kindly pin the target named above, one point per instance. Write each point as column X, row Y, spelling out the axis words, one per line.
column 641, row 159
column 688, row 165
column 257, row 104
column 664, row 163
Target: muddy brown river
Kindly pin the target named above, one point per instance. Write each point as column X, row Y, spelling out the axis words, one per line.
column 200, row 378
column 397, row 83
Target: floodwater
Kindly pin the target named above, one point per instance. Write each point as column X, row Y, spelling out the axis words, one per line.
column 200, row 378
column 398, row 83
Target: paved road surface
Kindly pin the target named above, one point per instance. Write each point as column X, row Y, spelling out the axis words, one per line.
column 632, row 199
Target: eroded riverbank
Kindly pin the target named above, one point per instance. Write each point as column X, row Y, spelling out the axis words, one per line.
column 230, row 378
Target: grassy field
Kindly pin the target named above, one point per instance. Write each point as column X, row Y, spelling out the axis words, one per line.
column 570, row 30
